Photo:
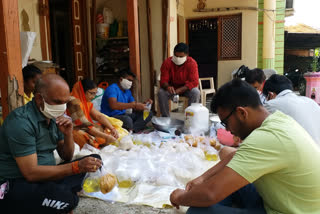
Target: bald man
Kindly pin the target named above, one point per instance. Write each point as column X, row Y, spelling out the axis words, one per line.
column 30, row 181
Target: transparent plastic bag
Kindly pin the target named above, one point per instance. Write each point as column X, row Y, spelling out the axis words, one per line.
column 100, row 180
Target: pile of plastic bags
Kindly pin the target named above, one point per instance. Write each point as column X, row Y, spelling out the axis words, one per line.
column 150, row 166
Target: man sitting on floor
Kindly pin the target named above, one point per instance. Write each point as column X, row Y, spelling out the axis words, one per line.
column 118, row 102
column 30, row 180
column 277, row 156
column 179, row 75
column 278, row 90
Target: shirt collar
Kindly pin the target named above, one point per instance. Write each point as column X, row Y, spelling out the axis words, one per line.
column 284, row 92
column 27, row 97
column 36, row 112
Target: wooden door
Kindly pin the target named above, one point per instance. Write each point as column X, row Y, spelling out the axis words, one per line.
column 79, row 36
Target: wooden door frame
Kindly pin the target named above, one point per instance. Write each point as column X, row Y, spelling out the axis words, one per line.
column 134, row 44
column 45, row 35
column 165, row 28
column 11, row 81
column 93, row 37
column 84, row 40
column 85, row 48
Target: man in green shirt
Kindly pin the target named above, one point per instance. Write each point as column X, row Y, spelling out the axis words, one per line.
column 30, row 181
column 277, row 156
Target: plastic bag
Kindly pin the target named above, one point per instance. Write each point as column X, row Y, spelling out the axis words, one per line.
column 26, row 41
column 126, row 143
column 117, row 124
column 100, row 180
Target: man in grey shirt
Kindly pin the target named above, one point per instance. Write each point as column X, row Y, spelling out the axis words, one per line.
column 278, row 90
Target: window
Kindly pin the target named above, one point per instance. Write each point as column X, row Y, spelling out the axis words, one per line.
column 230, row 38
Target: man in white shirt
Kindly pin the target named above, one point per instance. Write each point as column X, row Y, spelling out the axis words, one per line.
column 278, row 90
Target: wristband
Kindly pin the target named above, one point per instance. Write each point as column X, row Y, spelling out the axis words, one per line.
column 75, row 167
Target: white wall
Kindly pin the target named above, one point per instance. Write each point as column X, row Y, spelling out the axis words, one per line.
column 29, row 21
column 173, row 25
column 156, row 20
column 249, row 32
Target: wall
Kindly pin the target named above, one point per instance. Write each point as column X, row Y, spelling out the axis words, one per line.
column 173, row 26
column 157, row 45
column 118, row 7
column 182, row 21
column 279, row 31
column 29, row 21
column 249, row 32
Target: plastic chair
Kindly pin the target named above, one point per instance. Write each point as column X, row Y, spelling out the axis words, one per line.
column 103, row 85
column 205, row 92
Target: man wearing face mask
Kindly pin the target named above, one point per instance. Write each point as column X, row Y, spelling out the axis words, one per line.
column 179, row 75
column 118, row 102
column 30, row 180
column 256, row 78
column 278, row 90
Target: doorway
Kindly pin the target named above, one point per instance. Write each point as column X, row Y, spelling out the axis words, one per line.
column 202, row 37
column 61, row 38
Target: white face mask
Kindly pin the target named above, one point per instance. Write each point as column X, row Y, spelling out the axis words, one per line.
column 259, row 92
column 125, row 84
column 178, row 60
column 53, row 111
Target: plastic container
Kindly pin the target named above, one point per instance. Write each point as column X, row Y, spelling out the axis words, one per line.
column 103, row 30
column 196, row 119
column 313, row 86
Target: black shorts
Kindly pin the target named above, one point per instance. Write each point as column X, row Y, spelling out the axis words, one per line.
column 42, row 197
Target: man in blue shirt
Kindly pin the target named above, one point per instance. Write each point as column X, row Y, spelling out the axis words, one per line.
column 118, row 102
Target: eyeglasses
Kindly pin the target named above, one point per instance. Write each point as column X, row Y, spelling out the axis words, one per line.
column 224, row 122
column 93, row 93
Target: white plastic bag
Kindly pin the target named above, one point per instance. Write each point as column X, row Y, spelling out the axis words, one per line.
column 26, row 42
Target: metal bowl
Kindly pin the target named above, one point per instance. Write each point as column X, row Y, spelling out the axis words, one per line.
column 166, row 123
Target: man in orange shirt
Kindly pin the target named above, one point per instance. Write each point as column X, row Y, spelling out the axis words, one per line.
column 179, row 75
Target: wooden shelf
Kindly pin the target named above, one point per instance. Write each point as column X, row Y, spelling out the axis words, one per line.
column 112, row 38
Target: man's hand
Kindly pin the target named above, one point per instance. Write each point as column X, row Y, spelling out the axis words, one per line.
column 175, row 196
column 65, row 125
column 171, row 90
column 181, row 90
column 149, row 101
column 89, row 164
column 140, row 106
column 193, row 183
